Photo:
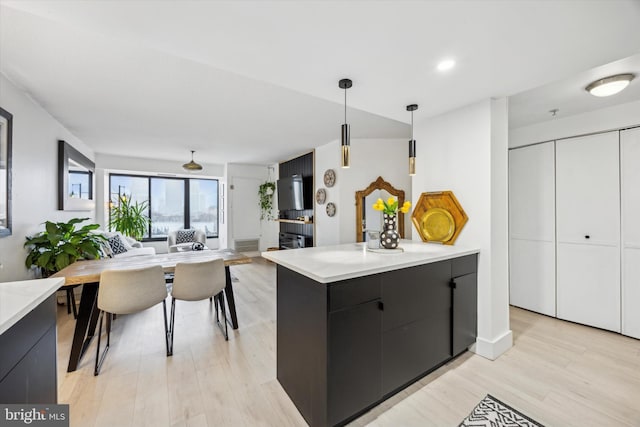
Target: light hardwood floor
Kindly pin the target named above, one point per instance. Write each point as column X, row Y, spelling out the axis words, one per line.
column 559, row 373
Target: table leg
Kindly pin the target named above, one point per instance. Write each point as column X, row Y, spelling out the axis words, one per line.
column 85, row 324
column 231, row 301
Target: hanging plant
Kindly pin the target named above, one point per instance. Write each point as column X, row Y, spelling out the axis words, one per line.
column 266, row 192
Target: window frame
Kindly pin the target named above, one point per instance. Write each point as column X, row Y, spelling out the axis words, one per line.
column 187, row 200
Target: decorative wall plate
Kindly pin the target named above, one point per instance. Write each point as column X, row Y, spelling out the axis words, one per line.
column 331, row 209
column 329, row 177
column 321, row 196
column 438, row 225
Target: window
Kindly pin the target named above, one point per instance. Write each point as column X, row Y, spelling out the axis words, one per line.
column 175, row 203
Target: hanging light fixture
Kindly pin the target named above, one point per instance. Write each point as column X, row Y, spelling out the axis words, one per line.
column 609, row 85
column 346, row 132
column 412, row 143
column 192, row 166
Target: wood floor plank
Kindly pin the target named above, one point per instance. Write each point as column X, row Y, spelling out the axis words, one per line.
column 560, row 373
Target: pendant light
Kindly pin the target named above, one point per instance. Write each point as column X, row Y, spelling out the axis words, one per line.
column 412, row 143
column 192, row 166
column 346, row 132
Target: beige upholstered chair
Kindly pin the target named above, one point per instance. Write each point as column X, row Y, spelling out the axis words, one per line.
column 196, row 281
column 183, row 239
column 129, row 291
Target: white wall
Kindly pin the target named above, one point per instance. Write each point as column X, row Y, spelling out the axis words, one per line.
column 616, row 117
column 34, row 176
column 465, row 151
column 370, row 158
column 246, row 223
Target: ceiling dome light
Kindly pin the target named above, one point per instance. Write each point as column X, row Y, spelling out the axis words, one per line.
column 609, row 85
column 446, row 65
column 192, row 166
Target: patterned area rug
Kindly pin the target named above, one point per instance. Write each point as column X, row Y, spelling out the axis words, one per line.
column 490, row 412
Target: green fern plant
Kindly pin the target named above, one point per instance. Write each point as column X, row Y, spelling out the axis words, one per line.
column 62, row 244
column 129, row 218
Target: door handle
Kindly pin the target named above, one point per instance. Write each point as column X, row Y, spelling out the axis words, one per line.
column 587, row 236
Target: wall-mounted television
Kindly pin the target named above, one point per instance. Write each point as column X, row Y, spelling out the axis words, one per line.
column 294, row 193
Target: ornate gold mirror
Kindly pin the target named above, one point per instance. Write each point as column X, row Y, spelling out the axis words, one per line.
column 369, row 219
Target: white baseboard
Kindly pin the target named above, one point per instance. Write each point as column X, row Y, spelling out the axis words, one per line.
column 493, row 349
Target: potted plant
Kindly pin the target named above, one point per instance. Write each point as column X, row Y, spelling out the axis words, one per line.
column 129, row 218
column 62, row 244
column 266, row 192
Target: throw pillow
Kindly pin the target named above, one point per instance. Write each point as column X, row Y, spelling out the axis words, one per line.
column 185, row 236
column 117, row 246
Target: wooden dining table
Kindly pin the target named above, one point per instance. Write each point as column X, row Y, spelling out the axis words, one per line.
column 88, row 272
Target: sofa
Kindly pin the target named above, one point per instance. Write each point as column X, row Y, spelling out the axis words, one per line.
column 121, row 246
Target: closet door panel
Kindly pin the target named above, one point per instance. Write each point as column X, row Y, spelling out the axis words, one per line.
column 631, row 292
column 630, row 181
column 533, row 275
column 588, row 190
column 531, row 192
column 588, row 289
column 532, row 228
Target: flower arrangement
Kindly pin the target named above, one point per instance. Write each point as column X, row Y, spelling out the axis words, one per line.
column 390, row 207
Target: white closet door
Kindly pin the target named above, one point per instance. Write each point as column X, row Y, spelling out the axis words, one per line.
column 588, row 230
column 532, row 281
column 630, row 180
column 588, row 189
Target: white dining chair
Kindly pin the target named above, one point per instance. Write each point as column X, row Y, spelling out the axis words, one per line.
column 195, row 281
column 126, row 292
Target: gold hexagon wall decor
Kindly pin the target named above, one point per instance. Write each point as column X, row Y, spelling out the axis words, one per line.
column 439, row 217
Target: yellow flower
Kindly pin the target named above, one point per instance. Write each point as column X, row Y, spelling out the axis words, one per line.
column 390, row 200
column 404, row 209
column 378, row 206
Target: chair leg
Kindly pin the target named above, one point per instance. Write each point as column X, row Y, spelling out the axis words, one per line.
column 220, row 300
column 99, row 357
column 168, row 331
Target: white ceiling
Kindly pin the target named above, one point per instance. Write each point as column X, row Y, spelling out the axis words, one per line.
column 256, row 82
column 569, row 96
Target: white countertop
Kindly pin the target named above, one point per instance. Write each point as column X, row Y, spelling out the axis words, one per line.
column 17, row 299
column 326, row 264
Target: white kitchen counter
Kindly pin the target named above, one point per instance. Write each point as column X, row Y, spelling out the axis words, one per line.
column 326, row 264
column 17, row 299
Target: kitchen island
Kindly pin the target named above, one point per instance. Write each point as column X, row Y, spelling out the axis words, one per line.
column 28, row 371
column 355, row 327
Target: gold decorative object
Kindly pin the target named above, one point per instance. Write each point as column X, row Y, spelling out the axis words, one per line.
column 438, row 224
column 439, row 217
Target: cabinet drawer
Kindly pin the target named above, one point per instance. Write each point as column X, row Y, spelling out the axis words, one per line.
column 348, row 293
column 22, row 336
column 464, row 265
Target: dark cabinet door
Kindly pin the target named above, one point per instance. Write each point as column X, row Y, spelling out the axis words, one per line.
column 355, row 360
column 416, row 293
column 465, row 312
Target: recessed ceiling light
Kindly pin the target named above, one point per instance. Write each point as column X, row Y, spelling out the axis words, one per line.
column 609, row 85
column 446, row 65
